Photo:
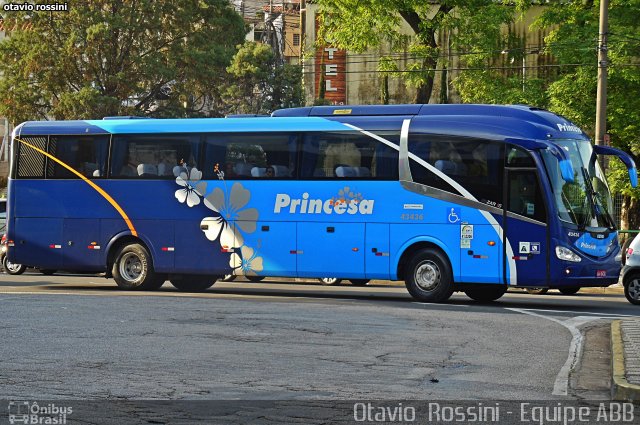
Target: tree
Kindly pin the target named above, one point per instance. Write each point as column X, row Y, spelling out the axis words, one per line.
column 259, row 84
column 472, row 26
column 574, row 44
column 128, row 57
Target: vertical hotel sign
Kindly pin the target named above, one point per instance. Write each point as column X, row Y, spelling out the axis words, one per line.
column 330, row 65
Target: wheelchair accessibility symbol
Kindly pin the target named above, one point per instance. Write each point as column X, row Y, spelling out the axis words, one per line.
column 454, row 215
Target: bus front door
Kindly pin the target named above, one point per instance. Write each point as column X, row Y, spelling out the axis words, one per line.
column 525, row 229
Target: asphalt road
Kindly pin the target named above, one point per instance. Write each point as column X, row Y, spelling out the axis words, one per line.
column 79, row 337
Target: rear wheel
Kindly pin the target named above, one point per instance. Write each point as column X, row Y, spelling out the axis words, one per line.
column 193, row 283
column 569, row 291
column 133, row 269
column 12, row 268
column 486, row 293
column 428, row 276
column 632, row 289
column 537, row 291
column 359, row 282
column 330, row 281
column 255, row 279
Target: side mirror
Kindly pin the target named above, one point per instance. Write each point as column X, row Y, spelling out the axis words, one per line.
column 624, row 157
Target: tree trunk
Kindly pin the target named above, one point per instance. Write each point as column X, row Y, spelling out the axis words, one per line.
column 630, row 215
column 384, row 90
column 423, row 91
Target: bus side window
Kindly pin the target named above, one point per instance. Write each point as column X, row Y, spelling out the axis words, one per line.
column 348, row 156
column 87, row 155
column 30, row 163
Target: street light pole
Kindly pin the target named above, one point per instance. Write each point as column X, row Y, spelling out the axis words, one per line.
column 601, row 98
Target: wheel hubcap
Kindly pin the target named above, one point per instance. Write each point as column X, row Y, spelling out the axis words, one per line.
column 131, row 267
column 13, row 267
column 634, row 289
column 427, row 275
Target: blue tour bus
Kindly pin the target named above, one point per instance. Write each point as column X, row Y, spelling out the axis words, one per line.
column 472, row 198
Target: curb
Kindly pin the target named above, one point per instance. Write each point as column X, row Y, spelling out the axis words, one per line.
column 621, row 389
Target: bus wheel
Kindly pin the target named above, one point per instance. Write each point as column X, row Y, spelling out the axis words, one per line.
column 12, row 268
column 193, row 283
column 485, row 293
column 255, row 279
column 133, row 269
column 569, row 291
column 537, row 291
column 330, row 280
column 632, row 289
column 359, row 282
column 428, row 277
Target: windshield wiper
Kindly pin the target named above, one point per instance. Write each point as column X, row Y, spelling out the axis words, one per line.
column 588, row 195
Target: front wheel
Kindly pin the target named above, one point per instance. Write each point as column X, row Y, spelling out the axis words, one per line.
column 428, row 276
column 330, row 281
column 12, row 268
column 537, row 291
column 486, row 294
column 133, row 269
column 190, row 283
column 632, row 290
column 569, row 291
column 359, row 282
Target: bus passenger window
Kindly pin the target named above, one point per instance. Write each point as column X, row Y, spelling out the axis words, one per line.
column 343, row 155
column 87, row 155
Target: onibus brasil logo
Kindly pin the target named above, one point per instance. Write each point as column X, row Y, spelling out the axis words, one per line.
column 348, row 201
column 25, row 412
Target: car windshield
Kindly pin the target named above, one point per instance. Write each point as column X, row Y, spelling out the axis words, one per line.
column 587, row 201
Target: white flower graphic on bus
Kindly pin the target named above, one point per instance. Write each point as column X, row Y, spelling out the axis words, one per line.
column 231, row 209
column 249, row 264
column 192, row 187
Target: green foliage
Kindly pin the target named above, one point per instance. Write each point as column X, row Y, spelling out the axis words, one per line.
column 574, row 43
column 259, row 84
column 478, row 86
column 472, row 25
column 131, row 57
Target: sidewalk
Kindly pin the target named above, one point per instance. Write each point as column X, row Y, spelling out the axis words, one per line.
column 625, row 358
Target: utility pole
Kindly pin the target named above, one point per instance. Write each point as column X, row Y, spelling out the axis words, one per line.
column 601, row 99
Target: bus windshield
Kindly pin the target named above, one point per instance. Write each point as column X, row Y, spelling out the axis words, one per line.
column 587, row 201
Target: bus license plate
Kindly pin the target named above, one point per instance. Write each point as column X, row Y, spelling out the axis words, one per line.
column 601, row 273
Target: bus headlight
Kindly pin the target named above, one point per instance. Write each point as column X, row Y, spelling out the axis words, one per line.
column 567, row 255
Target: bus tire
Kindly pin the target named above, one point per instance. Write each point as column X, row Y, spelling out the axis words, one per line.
column 485, row 294
column 632, row 289
column 570, row 290
column 255, row 279
column 428, row 276
column 330, row 280
column 133, row 269
column 537, row 291
column 12, row 268
column 193, row 283
column 359, row 282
